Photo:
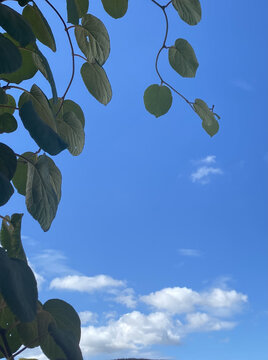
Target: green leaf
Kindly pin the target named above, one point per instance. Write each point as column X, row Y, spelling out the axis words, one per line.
column 65, row 333
column 46, row 138
column 8, row 123
column 11, row 105
column 72, row 132
column 6, row 189
column 36, row 330
column 76, row 9
column 41, row 105
column 39, row 25
column 42, row 64
column 93, row 39
column 3, row 96
column 43, row 191
column 157, row 99
column 115, row 8
column 182, row 58
column 27, row 69
column 7, row 322
column 23, row 2
column 11, row 238
column 189, row 10
column 20, row 178
column 69, row 105
column 15, row 25
column 10, row 56
column 18, row 287
column 8, row 161
column 209, row 123
column 97, row 82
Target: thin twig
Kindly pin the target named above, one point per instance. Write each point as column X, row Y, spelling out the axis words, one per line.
column 82, row 57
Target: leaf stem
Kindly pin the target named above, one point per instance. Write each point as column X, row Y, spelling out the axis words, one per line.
column 24, row 158
column 82, row 57
column 9, row 107
column 72, row 51
column 5, row 219
column 164, row 46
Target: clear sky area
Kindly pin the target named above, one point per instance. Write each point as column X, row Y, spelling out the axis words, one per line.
column 160, row 240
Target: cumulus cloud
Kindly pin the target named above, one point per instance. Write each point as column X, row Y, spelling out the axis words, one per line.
column 88, row 317
column 132, row 331
column 179, row 300
column 190, row 252
column 86, row 284
column 203, row 172
column 199, row 322
column 126, row 297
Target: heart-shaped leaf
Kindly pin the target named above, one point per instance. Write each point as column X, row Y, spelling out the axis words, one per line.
column 157, row 99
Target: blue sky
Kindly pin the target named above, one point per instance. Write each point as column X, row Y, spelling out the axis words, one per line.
column 160, row 241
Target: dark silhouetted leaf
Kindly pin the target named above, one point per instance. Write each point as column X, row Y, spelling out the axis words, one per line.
column 97, row 82
column 11, row 105
column 43, row 190
column 6, row 189
column 11, row 237
column 15, row 25
column 39, row 26
column 3, row 97
column 93, row 39
column 8, row 161
column 10, row 56
column 115, row 8
column 182, row 58
column 189, row 10
column 65, row 333
column 8, row 123
column 157, row 99
column 27, row 69
column 46, row 138
column 18, row 287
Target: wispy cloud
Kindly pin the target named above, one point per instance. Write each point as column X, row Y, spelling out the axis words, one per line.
column 88, row 317
column 88, row 284
column 190, row 252
column 202, row 174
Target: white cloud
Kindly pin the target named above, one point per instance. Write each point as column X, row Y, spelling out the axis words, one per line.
column 210, row 159
column 39, row 278
column 87, row 284
column 199, row 322
column 203, row 172
column 174, row 300
column 126, row 297
column 178, row 300
column 88, row 317
column 132, row 331
column 190, row 252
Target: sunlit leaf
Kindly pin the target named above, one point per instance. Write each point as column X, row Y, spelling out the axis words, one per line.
column 189, row 10
column 182, row 58
column 115, row 8
column 97, row 82
column 43, row 190
column 157, row 99
column 93, row 39
column 39, row 25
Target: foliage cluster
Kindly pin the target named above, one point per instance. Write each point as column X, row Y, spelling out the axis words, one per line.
column 57, row 124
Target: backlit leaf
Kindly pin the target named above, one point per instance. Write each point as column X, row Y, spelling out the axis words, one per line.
column 43, row 191
column 97, row 82
column 39, row 25
column 209, row 123
column 115, row 8
column 157, row 99
column 182, row 58
column 93, row 39
column 20, row 177
column 189, row 10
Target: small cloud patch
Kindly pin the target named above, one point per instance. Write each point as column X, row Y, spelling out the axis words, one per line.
column 205, row 170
